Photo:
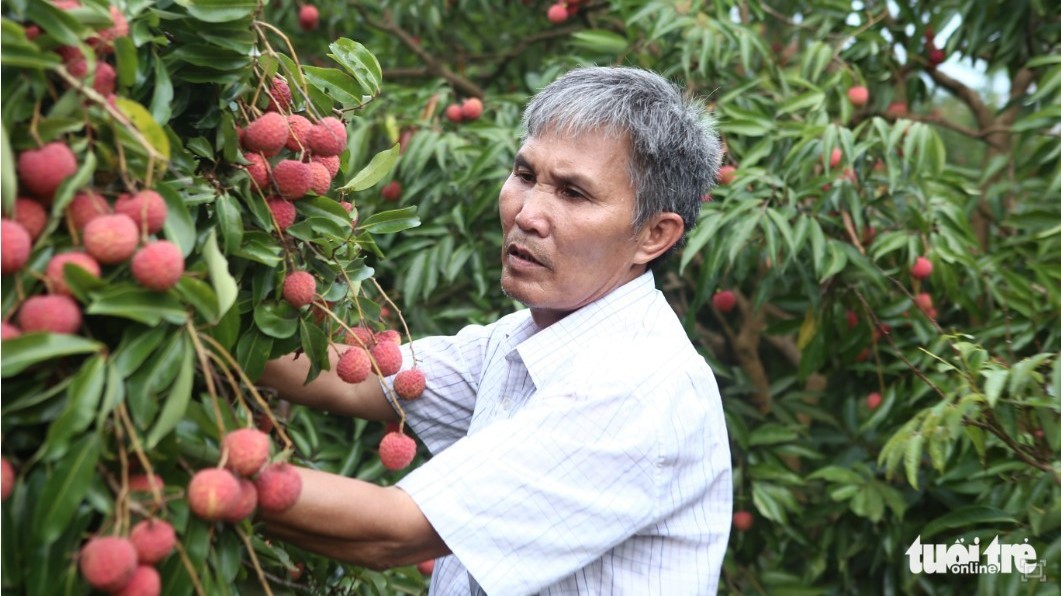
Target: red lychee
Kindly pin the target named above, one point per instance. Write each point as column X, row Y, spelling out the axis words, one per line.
column 248, row 502
column 354, row 365
column 923, row 301
column 283, row 211
column 258, row 170
column 321, row 180
column 107, row 562
column 392, row 191
column 146, row 208
column 15, row 246
column 858, row 96
column 852, row 319
column 105, row 79
column 360, row 336
column 454, row 113
column 53, row 313
column 85, row 207
column 153, row 539
column 41, row 171
column 388, row 357
column 7, row 478
column 267, row 134
column 111, row 239
column 9, row 331
column 471, row 109
column 299, row 288
column 922, row 268
column 742, row 520
column 936, row 57
column 396, row 450
column 390, row 335
column 557, row 13
column 119, row 28
column 873, row 400
column 897, row 109
column 835, row 157
column 145, row 581
column 279, row 95
column 212, row 492
column 426, row 567
column 144, row 482
column 308, row 17
column 292, row 178
column 724, row 300
column 330, row 161
column 55, row 274
column 328, row 137
column 409, row 384
column 298, row 139
column 279, row 486
column 248, row 450
column 31, row 216
column 726, row 174
column 158, row 266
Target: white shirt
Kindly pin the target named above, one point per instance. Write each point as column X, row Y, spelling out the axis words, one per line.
column 589, row 457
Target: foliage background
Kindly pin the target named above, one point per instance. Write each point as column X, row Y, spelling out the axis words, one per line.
column 964, row 442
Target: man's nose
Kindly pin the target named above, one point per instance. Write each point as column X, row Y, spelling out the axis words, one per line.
column 534, row 210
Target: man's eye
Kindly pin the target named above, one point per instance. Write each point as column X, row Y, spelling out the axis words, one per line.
column 524, row 175
column 571, row 193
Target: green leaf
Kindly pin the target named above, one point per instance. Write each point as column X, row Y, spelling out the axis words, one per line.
column 967, row 517
column 219, row 11
column 838, row 475
column 33, row 348
column 8, row 181
column 82, row 401
column 389, row 222
column 600, row 41
column 136, row 346
column 771, row 433
column 912, row 458
column 276, row 319
column 359, row 62
column 138, row 304
column 252, row 352
column 142, row 119
column 114, row 393
column 125, row 52
column 223, row 282
column 230, row 221
column 336, row 84
column 66, row 487
column 162, row 96
column 377, row 169
column 995, row 381
column 201, row 296
column 176, row 403
column 59, row 24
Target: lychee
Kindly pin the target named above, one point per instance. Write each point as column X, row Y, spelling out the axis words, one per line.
column 41, row 171
column 726, row 174
column 392, row 191
column 923, row 301
column 354, row 365
column 388, row 357
column 107, row 562
column 852, row 319
column 212, row 492
column 158, row 266
column 724, row 300
column 454, row 113
column 390, row 335
column 279, row 486
column 858, row 96
column 267, row 134
column 53, row 313
column 426, row 567
column 146, row 208
column 279, row 95
column 258, row 170
column 293, row 179
column 15, row 246
column 9, row 331
column 111, row 239
column 145, row 482
column 248, row 450
column 248, row 502
column 308, row 17
column 119, row 28
column 145, row 581
column 56, row 275
column 922, row 268
column 409, row 384
column 299, row 288
column 360, row 336
column 105, row 79
column 330, row 161
column 283, row 211
column 86, row 206
column 742, row 520
column 835, row 157
column 7, row 478
column 873, row 400
column 298, row 137
column 328, row 137
column 31, row 216
column 321, row 180
column 153, row 539
column 471, row 109
column 396, row 450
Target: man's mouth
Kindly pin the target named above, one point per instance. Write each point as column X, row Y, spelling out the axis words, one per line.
column 515, row 250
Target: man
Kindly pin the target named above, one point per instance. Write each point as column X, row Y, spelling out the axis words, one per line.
column 578, row 446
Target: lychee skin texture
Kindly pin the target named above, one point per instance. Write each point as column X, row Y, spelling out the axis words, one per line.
column 56, row 274
column 454, row 113
column 143, row 482
column 922, row 268
column 327, row 137
column 354, row 365
column 258, row 170
column 248, row 450
column 280, row 92
column 835, row 157
column 153, row 539
column 557, row 13
column 15, row 246
column 283, row 211
column 146, row 581
column 471, row 109
column 105, row 79
column 388, row 357
column 86, row 206
column 279, row 486
column 388, row 335
column 308, row 17
column 724, row 301
column 298, row 139
column 329, row 161
column 293, row 179
column 111, row 239
column 9, row 331
column 158, row 266
column 248, row 502
column 858, row 96
column 267, row 134
column 7, row 478
column 409, row 384
column 392, row 191
column 426, row 567
column 30, row 215
column 321, row 180
column 212, row 492
column 146, row 207
column 299, row 288
column 726, row 174
column 396, row 450
column 107, row 562
column 41, row 171
column 360, row 336
column 742, row 521
column 53, row 313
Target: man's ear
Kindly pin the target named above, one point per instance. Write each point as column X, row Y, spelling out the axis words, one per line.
column 659, row 234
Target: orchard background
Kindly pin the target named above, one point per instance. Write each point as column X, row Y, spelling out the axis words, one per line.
column 876, row 280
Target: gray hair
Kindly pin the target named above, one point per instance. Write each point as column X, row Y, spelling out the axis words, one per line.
column 674, row 149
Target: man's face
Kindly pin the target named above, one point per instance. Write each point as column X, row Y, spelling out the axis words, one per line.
column 566, row 213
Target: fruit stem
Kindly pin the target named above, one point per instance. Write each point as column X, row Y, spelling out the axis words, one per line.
column 156, row 493
column 254, row 560
column 190, row 568
column 233, row 384
column 208, row 376
column 258, row 25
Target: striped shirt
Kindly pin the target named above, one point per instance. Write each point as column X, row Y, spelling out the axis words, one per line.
column 589, row 457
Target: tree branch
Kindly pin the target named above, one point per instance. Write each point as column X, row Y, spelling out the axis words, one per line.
column 984, row 117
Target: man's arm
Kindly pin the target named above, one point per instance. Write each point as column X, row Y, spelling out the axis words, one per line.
column 357, row 522
column 287, row 375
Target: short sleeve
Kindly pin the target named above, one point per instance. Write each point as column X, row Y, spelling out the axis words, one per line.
column 534, row 498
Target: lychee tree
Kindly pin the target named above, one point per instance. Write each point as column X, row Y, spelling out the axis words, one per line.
column 180, row 204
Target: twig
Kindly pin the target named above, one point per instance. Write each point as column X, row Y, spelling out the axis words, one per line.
column 254, row 560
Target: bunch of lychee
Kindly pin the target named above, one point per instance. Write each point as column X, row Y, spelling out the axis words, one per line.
column 103, row 77
column 466, row 111
column 368, row 352
column 127, row 565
